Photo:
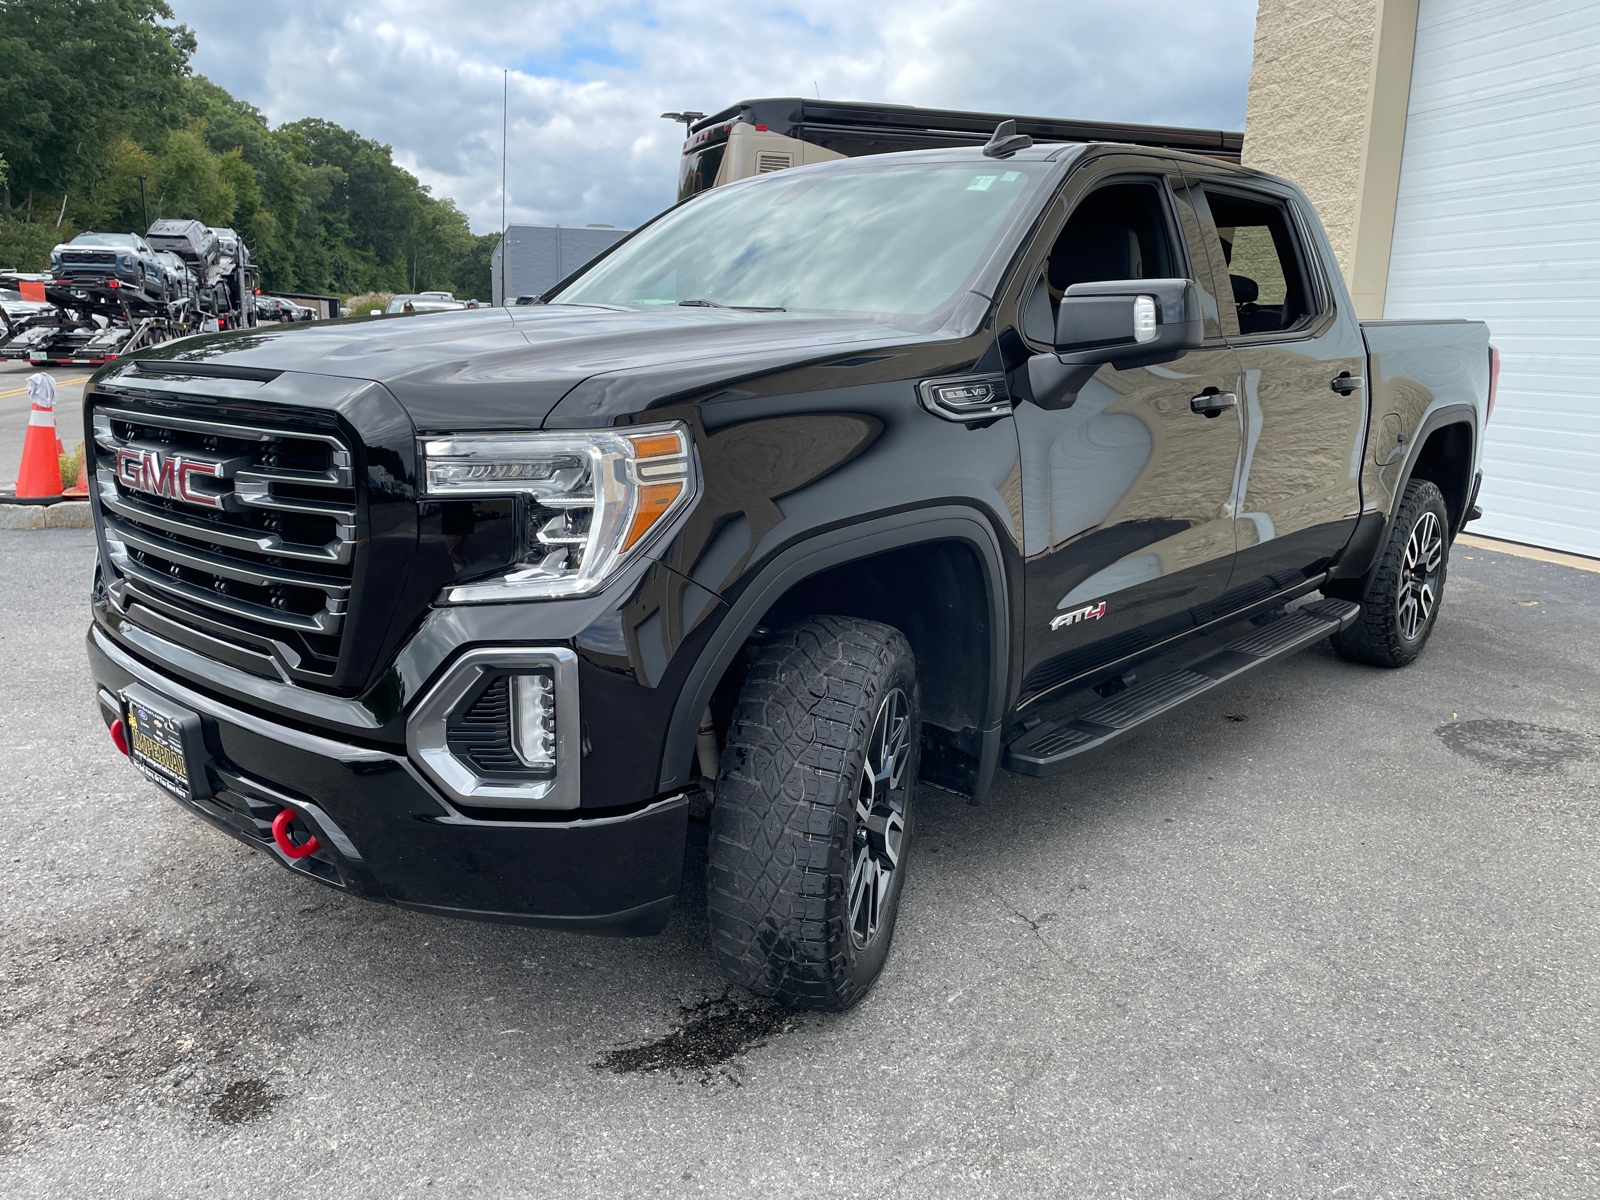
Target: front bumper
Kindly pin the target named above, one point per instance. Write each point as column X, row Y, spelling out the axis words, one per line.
column 79, row 275
column 387, row 834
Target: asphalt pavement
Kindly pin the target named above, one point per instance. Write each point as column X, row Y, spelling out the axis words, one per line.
column 1332, row 933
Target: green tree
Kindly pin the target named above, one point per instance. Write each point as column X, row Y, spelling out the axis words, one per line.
column 96, row 94
column 76, row 78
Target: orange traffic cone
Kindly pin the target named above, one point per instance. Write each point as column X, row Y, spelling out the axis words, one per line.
column 80, row 489
column 41, row 465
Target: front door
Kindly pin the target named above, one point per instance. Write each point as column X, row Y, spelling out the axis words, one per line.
column 1127, row 494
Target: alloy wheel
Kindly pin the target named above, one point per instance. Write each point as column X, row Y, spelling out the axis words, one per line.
column 880, row 821
column 1419, row 576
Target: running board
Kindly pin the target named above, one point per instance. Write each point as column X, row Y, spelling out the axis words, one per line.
column 1051, row 746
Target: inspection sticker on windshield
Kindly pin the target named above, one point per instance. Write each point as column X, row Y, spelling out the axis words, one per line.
column 1009, row 176
column 981, row 183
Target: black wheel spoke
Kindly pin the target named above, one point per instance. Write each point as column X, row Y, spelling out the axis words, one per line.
column 880, row 824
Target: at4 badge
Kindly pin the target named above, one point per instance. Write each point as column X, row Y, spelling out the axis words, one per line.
column 1092, row 612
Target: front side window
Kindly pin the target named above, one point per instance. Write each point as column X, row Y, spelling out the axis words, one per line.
column 1270, row 289
column 1119, row 231
column 897, row 241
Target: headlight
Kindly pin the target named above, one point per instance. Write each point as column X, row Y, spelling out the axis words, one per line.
column 590, row 499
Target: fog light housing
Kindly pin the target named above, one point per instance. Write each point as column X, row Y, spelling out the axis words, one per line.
column 500, row 729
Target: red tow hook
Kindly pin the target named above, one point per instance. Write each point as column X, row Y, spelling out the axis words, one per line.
column 119, row 739
column 280, row 834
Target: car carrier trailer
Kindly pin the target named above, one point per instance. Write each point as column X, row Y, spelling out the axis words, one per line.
column 91, row 322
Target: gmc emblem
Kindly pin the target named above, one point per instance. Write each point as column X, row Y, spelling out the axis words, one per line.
column 170, row 475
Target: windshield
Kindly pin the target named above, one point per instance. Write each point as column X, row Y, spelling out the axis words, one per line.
column 898, row 240
column 105, row 239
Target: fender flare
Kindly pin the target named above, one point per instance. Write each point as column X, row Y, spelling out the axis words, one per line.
column 819, row 553
column 1367, row 540
column 1447, row 414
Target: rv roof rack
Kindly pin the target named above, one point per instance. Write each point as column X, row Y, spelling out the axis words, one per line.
column 852, row 128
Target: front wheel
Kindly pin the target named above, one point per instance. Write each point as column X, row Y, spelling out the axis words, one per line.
column 1401, row 602
column 813, row 816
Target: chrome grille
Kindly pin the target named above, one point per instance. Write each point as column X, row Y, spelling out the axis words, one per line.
column 235, row 538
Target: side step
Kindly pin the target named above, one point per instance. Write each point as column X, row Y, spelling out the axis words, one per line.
column 1052, row 745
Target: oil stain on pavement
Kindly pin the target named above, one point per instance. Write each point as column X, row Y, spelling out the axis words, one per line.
column 1515, row 746
column 711, row 1033
column 241, row 1101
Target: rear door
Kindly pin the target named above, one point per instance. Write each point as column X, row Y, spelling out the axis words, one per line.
column 1127, row 494
column 1303, row 400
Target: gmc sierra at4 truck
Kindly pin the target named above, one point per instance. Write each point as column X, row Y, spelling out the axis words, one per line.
column 892, row 468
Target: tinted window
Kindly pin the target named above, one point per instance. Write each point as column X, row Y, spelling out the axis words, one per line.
column 1118, row 231
column 892, row 240
column 699, row 170
column 1265, row 267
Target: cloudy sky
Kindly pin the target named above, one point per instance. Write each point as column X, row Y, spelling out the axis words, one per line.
column 588, row 77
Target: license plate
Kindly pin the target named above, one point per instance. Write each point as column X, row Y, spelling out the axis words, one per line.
column 164, row 741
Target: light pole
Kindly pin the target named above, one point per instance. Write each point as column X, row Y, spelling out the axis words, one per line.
column 144, row 204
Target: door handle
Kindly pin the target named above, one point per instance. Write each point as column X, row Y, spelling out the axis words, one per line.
column 1345, row 383
column 1212, row 403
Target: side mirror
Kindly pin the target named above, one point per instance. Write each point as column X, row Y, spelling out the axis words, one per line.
column 1129, row 322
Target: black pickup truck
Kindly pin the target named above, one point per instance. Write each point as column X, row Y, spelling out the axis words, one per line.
column 897, row 468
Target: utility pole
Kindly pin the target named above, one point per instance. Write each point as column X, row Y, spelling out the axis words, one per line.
column 143, row 203
column 505, row 125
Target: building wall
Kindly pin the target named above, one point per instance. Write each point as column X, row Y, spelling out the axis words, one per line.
column 1329, row 83
column 531, row 259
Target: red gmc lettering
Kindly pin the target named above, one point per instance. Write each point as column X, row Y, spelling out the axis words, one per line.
column 148, row 471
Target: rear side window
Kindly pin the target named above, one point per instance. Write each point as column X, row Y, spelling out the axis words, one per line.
column 1271, row 288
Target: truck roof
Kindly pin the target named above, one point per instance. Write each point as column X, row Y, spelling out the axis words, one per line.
column 853, row 128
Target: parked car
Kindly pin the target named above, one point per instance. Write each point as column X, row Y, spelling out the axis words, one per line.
column 177, row 276
column 755, row 526
column 191, row 241
column 16, row 308
column 276, row 308
column 230, row 246
column 125, row 258
column 424, row 302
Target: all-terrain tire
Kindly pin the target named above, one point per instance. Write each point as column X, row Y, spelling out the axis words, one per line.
column 1390, row 632
column 790, row 848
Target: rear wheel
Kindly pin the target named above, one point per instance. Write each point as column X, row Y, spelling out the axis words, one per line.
column 1401, row 602
column 813, row 815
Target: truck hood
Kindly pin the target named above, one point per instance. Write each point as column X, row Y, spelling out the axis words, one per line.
column 508, row 369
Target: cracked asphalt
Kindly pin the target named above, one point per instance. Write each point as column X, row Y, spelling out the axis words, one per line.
column 1331, row 933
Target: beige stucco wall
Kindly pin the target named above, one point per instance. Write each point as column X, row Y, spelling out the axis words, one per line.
column 1329, row 84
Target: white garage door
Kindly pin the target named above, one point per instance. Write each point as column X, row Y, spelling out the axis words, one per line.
column 1499, row 219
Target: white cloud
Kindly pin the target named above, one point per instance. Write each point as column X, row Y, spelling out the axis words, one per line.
column 588, row 79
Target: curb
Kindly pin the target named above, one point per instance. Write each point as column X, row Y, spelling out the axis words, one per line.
column 68, row 514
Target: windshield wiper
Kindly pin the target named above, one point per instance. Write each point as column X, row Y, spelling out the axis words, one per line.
column 739, row 307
